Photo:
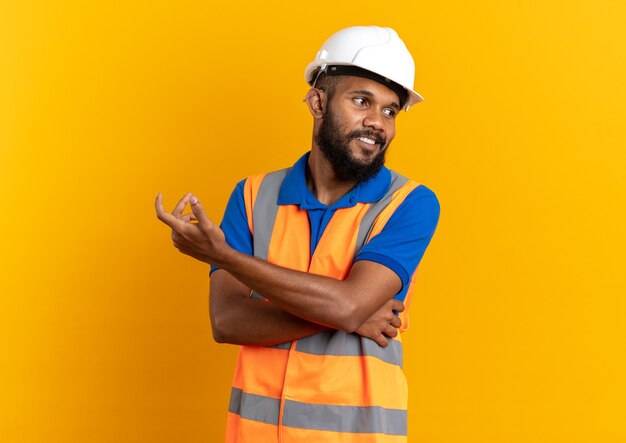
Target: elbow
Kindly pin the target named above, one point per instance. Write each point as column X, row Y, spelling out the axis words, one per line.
column 219, row 337
column 222, row 323
column 220, row 333
column 224, row 337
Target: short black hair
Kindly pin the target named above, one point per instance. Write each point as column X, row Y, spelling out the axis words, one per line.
column 325, row 82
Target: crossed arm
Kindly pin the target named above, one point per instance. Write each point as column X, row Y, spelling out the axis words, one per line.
column 301, row 303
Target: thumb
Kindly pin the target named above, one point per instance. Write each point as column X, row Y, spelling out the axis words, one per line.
column 198, row 211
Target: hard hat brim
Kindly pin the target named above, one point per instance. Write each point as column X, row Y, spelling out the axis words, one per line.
column 413, row 96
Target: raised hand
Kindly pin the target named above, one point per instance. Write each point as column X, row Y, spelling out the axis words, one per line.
column 193, row 234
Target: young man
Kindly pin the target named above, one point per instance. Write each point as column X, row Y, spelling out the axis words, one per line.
column 312, row 264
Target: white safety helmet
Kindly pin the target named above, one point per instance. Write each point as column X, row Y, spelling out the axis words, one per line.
column 361, row 50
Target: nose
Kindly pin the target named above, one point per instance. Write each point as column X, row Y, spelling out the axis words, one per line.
column 374, row 120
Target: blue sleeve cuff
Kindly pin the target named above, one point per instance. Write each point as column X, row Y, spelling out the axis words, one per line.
column 388, row 262
column 235, row 223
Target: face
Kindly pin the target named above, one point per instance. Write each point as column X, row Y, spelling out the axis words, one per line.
column 358, row 125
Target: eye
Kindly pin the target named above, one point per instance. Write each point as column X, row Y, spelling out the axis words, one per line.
column 360, row 101
column 390, row 112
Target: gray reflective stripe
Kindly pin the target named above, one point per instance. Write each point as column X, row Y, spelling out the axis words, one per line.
column 367, row 223
column 263, row 218
column 265, row 210
column 254, row 407
column 264, row 215
column 344, row 344
column 356, row 419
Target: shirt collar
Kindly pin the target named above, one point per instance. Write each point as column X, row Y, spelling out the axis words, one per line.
column 294, row 190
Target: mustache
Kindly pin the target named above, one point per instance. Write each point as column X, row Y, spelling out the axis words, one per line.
column 379, row 139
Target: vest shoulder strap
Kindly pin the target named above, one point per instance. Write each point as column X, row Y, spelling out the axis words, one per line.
column 262, row 207
column 265, row 210
column 367, row 223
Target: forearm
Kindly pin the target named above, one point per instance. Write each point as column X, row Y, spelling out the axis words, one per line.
column 338, row 304
column 245, row 321
column 318, row 299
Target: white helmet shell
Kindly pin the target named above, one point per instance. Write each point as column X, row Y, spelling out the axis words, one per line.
column 378, row 50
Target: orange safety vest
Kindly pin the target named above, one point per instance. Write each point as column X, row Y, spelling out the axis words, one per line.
column 331, row 386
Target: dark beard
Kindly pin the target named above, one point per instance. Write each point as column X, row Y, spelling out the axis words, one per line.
column 337, row 152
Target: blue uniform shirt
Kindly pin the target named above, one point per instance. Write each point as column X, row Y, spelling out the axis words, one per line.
column 399, row 246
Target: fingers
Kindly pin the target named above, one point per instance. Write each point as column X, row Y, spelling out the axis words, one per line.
column 390, row 331
column 397, row 305
column 395, row 322
column 189, row 217
column 178, row 210
column 158, row 205
column 167, row 218
column 382, row 341
column 198, row 211
column 162, row 214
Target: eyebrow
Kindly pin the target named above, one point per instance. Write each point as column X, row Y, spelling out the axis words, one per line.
column 370, row 94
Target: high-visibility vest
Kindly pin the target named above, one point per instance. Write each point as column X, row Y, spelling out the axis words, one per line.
column 331, row 386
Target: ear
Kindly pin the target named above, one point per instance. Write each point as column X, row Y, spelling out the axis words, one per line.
column 316, row 101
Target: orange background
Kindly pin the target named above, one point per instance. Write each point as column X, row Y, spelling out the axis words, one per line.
column 518, row 331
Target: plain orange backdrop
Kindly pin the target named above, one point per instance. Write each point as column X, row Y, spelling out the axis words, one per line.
column 517, row 329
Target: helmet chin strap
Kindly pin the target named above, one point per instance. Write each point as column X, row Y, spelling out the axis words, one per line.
column 322, row 69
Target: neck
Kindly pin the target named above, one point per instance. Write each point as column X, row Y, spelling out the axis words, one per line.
column 322, row 180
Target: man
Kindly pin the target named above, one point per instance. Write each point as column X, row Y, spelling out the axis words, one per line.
column 312, row 264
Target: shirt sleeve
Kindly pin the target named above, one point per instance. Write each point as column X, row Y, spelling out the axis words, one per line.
column 235, row 223
column 401, row 244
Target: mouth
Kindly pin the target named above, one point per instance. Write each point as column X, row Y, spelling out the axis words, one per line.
column 367, row 140
column 369, row 143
